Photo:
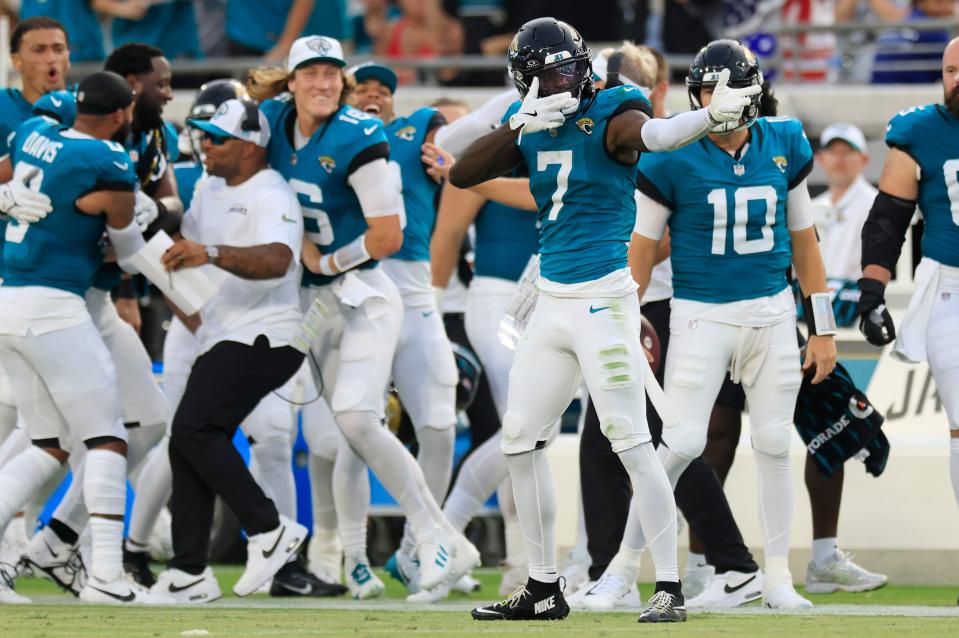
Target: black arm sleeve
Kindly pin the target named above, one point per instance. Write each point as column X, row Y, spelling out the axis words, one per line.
column 885, row 230
column 801, row 175
column 369, row 154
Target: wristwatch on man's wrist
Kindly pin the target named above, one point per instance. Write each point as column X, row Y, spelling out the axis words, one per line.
column 212, row 253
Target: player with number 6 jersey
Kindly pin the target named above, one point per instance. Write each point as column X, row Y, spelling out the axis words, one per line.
column 738, row 212
column 580, row 147
column 335, row 158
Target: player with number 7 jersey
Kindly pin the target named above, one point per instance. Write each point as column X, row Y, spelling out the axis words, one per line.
column 739, row 213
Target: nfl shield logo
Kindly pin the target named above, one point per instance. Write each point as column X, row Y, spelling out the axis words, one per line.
column 739, row 170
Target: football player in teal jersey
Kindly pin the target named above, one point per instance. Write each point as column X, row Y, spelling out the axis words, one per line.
column 424, row 371
column 581, row 147
column 734, row 231
column 60, row 369
column 335, row 158
column 922, row 168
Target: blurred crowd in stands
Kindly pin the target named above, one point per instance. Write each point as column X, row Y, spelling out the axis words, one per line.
column 894, row 48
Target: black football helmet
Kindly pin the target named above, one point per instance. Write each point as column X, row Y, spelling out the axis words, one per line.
column 208, row 99
column 743, row 71
column 556, row 53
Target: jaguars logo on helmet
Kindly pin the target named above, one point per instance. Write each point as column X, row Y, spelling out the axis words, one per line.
column 743, row 71
column 556, row 53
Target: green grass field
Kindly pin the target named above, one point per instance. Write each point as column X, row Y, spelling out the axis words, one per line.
column 872, row 615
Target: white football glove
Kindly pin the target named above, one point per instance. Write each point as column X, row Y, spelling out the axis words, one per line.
column 727, row 104
column 541, row 113
column 145, row 211
column 22, row 203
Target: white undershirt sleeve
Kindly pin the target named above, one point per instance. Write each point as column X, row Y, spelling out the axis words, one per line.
column 379, row 189
column 667, row 134
column 799, row 208
column 651, row 217
column 456, row 136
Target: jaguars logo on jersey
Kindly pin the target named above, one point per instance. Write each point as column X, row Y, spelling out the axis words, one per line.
column 407, row 133
column 586, row 125
column 327, row 162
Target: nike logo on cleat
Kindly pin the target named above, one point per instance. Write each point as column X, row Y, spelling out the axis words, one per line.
column 50, row 549
column 175, row 589
column 544, row 605
column 730, row 590
column 593, row 311
column 302, row 591
column 268, row 553
column 124, row 599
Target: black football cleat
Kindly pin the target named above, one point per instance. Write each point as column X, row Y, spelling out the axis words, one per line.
column 534, row 601
column 664, row 607
column 137, row 566
column 295, row 580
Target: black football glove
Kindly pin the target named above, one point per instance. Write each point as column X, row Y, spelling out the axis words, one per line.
column 875, row 322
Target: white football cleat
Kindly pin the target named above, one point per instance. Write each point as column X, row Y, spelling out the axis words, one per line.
column 611, row 592
column 784, row 596
column 360, row 579
column 404, row 568
column 575, row 600
column 435, row 556
column 729, row 590
column 49, row 557
column 7, row 595
column 266, row 553
column 465, row 558
column 695, row 579
column 121, row 592
column 467, row 584
column 325, row 558
column 188, row 589
column 576, row 571
column 841, row 574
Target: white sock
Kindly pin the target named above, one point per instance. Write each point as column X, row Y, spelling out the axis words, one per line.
column 655, row 509
column 273, row 470
column 536, row 507
column 512, row 534
column 18, row 441
column 479, row 476
column 695, row 561
column 824, row 550
column 152, row 492
column 20, row 478
column 105, row 491
column 775, row 502
column 776, row 572
column 435, row 458
column 954, row 465
column 38, row 500
column 72, row 510
column 351, row 495
column 625, row 563
column 321, row 495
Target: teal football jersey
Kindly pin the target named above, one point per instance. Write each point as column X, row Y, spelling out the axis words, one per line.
column 728, row 235
column 406, row 135
column 585, row 197
column 59, row 105
column 505, row 239
column 64, row 249
column 187, row 174
column 930, row 135
column 318, row 172
column 14, row 111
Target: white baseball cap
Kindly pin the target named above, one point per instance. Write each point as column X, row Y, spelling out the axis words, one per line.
column 315, row 48
column 240, row 119
column 848, row 133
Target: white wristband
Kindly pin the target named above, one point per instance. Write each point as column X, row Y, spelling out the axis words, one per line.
column 345, row 257
column 820, row 317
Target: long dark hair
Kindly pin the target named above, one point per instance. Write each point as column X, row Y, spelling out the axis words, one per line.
column 768, row 104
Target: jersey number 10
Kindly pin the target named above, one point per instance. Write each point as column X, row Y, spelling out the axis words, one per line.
column 742, row 245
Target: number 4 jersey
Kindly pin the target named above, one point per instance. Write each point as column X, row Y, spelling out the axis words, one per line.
column 728, row 234
column 930, row 135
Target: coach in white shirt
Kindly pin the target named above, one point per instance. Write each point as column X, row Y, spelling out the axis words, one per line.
column 841, row 211
column 244, row 229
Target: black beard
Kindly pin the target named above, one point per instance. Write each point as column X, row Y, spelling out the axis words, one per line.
column 146, row 117
column 952, row 101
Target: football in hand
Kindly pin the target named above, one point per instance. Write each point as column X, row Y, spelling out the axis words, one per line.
column 650, row 341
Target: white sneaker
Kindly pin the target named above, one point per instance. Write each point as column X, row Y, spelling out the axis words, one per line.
column 784, row 596
column 121, row 592
column 436, row 560
column 7, row 595
column 360, row 579
column 14, row 541
column 575, row 600
column 188, row 589
column 404, row 568
column 467, row 584
column 514, row 577
column 161, row 538
column 696, row 578
column 576, row 571
column 325, row 559
column 49, row 557
column 729, row 590
column 266, row 553
column 841, row 574
column 610, row 592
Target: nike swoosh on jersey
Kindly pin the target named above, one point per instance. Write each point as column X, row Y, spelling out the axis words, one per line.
column 593, row 311
column 730, row 590
column 124, row 599
column 124, row 166
column 268, row 553
column 369, row 129
column 175, row 589
column 427, row 313
column 57, row 102
column 287, row 219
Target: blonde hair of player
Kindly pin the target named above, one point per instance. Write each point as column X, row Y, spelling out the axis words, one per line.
column 267, row 82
